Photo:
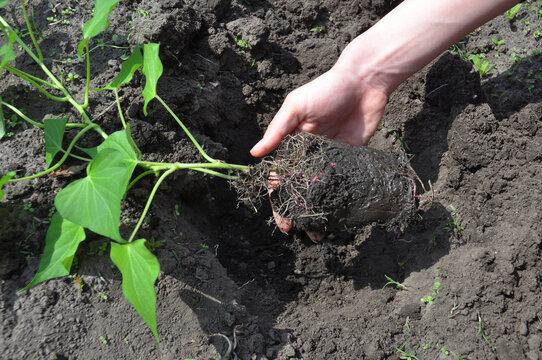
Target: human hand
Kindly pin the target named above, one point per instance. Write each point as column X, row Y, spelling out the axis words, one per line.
column 337, row 105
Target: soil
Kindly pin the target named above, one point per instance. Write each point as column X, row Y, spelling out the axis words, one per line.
column 324, row 185
column 224, row 271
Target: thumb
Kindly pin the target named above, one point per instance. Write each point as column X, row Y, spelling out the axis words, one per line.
column 285, row 122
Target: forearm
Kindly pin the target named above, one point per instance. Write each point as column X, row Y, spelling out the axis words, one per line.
column 412, row 35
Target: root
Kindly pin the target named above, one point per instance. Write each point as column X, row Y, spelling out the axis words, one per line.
column 324, row 185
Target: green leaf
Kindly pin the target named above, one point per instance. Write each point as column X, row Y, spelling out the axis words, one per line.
column 139, row 269
column 119, row 141
column 61, row 242
column 98, row 22
column 128, row 67
column 54, row 133
column 3, row 3
column 2, row 123
column 152, row 69
column 4, row 180
column 94, row 201
column 6, row 51
column 92, row 152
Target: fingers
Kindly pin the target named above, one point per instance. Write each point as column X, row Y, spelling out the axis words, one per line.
column 284, row 123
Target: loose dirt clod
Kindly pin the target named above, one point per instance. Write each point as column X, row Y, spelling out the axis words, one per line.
column 326, row 185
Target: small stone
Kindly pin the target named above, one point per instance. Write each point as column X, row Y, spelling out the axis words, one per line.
column 271, row 265
column 286, row 352
column 534, row 342
column 523, row 329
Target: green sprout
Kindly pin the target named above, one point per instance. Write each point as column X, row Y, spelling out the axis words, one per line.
column 430, row 298
column 318, row 28
column 481, row 333
column 497, row 42
column 513, row 11
column 397, row 284
column 482, row 67
column 537, row 34
column 103, row 340
column 28, row 207
column 241, row 44
column 455, row 224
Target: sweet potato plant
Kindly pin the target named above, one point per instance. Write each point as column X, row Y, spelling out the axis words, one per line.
column 93, row 202
column 321, row 185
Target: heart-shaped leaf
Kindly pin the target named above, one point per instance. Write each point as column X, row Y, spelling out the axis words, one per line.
column 61, row 242
column 54, row 133
column 152, row 69
column 4, row 180
column 139, row 269
column 94, row 201
column 98, row 22
column 127, row 69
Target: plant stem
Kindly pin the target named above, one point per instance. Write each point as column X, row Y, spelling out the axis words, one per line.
column 76, row 156
column 21, row 73
column 149, row 201
column 120, row 109
column 87, row 82
column 198, row 146
column 42, row 90
column 29, row 27
column 35, row 123
column 61, row 161
column 18, row 112
column 139, row 177
column 53, row 78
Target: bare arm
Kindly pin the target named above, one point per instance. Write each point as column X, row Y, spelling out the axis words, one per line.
column 348, row 101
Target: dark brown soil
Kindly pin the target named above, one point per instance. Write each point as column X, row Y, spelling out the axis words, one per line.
column 325, row 185
column 479, row 141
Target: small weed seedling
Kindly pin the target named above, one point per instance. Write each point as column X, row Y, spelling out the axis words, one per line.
column 402, row 353
column 496, row 43
column 318, row 29
column 513, row 11
column 103, row 340
column 397, row 284
column 454, row 225
column 243, row 45
column 482, row 67
column 430, row 298
column 481, row 333
column 537, row 34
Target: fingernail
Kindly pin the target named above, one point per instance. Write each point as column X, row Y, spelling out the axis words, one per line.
column 254, row 151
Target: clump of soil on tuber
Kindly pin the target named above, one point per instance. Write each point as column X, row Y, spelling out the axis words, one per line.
column 325, row 185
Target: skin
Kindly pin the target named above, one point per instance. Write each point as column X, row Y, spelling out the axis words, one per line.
column 347, row 102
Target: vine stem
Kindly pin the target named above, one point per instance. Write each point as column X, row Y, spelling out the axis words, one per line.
column 120, row 109
column 64, row 157
column 198, row 146
column 29, row 27
column 149, row 201
column 52, row 77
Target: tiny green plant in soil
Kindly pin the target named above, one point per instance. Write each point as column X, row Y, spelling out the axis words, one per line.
column 430, row 298
column 511, row 13
column 109, row 166
column 483, row 67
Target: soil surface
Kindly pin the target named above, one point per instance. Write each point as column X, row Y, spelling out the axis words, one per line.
column 474, row 256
